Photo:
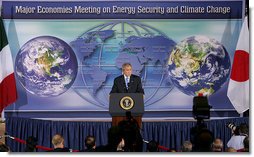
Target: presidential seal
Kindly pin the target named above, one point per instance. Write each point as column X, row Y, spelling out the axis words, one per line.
column 126, row 103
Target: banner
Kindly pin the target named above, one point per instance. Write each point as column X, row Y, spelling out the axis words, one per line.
column 70, row 52
column 124, row 10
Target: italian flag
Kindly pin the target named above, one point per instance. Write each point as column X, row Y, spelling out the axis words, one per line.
column 8, row 92
column 238, row 88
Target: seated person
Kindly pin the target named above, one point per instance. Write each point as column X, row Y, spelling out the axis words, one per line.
column 217, row 145
column 58, row 142
column 90, row 144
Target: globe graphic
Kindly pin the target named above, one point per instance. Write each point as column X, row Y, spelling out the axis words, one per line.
column 199, row 65
column 104, row 48
column 46, row 66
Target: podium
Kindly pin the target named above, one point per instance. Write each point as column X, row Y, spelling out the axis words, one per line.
column 122, row 103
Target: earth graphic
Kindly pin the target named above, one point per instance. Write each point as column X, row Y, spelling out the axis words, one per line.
column 199, row 64
column 46, row 66
column 103, row 49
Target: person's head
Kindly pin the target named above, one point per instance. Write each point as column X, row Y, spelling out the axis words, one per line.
column 231, row 149
column 217, row 145
column 90, row 142
column 4, row 148
column 130, row 132
column 58, row 141
column 152, row 146
column 246, row 143
column 31, row 143
column 187, row 146
column 127, row 69
column 204, row 140
column 115, row 138
column 243, row 129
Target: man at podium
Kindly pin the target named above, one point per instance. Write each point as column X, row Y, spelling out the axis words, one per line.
column 127, row 82
column 122, row 113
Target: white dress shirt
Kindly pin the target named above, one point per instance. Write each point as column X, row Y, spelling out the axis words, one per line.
column 236, row 142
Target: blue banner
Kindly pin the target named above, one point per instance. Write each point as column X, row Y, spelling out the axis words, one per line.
column 123, row 10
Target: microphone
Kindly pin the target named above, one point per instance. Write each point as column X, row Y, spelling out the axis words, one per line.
column 128, row 115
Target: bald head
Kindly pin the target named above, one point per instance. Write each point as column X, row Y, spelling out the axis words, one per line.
column 230, row 149
column 217, row 145
column 187, row 146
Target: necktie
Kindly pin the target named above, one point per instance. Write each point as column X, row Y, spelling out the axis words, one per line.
column 126, row 82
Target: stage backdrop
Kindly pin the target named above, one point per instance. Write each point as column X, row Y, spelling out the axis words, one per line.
column 67, row 54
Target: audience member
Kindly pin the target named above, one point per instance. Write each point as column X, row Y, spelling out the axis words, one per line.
column 204, row 141
column 131, row 134
column 90, row 144
column 217, row 145
column 58, row 142
column 236, row 141
column 230, row 149
column 31, row 143
column 246, row 145
column 187, row 146
column 116, row 141
column 152, row 146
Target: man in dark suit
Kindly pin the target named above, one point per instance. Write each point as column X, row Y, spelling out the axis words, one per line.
column 127, row 83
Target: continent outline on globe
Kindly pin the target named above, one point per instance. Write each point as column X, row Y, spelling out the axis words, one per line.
column 142, row 49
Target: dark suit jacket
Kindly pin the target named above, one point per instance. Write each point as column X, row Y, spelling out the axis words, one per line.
column 61, row 150
column 135, row 85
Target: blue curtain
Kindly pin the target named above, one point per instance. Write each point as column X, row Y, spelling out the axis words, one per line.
column 173, row 134
column 168, row 134
column 74, row 133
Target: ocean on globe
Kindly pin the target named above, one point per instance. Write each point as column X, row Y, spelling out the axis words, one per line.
column 199, row 65
column 46, row 66
column 103, row 49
